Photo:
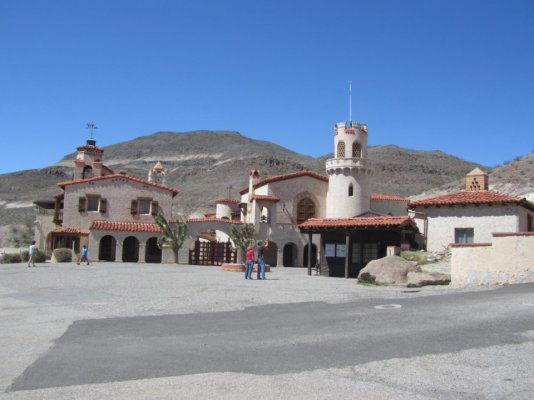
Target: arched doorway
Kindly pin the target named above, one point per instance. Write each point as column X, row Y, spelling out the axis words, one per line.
column 106, row 249
column 130, row 249
column 152, row 251
column 290, row 255
column 271, row 254
column 313, row 255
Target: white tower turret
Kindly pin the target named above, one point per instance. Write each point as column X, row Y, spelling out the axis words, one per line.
column 349, row 185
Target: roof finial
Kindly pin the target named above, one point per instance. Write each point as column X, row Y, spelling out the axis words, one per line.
column 92, row 126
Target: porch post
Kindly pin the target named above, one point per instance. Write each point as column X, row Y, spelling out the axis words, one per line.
column 309, row 253
column 346, row 255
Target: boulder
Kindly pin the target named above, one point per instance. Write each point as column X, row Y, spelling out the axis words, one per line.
column 418, row 279
column 391, row 270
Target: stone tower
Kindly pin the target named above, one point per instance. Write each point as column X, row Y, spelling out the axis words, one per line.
column 88, row 162
column 349, row 172
column 157, row 173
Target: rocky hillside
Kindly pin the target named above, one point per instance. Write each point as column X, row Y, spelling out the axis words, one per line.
column 207, row 165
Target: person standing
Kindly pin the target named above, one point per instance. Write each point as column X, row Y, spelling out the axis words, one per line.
column 32, row 252
column 83, row 255
column 249, row 262
column 261, row 262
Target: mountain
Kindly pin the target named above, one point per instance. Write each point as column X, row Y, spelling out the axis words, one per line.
column 208, row 165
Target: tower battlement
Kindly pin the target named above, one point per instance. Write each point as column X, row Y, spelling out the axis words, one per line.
column 350, row 128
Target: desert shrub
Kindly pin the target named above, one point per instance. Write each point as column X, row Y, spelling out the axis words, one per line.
column 11, row 258
column 419, row 257
column 63, row 255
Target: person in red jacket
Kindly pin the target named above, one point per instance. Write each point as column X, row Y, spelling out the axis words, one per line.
column 249, row 262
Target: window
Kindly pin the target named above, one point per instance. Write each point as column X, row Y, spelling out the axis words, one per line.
column 356, row 150
column 92, row 203
column 370, row 252
column 341, row 149
column 144, row 207
column 305, row 210
column 351, row 190
column 530, row 223
column 464, row 235
column 87, row 172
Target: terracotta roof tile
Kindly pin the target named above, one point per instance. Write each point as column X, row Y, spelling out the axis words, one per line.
column 291, row 175
column 390, row 197
column 88, row 147
column 468, row 197
column 223, row 220
column 228, row 200
column 265, row 197
column 123, row 176
column 378, row 221
column 125, row 226
column 70, row 230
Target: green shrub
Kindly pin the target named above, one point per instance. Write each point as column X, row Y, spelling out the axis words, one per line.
column 63, row 255
column 11, row 258
column 418, row 256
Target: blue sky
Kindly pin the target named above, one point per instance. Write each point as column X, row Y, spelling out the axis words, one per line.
column 447, row 75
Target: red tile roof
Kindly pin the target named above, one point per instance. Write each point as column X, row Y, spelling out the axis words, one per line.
column 265, row 197
column 371, row 221
column 468, row 197
column 228, row 200
column 223, row 220
column 119, row 176
column 209, row 213
column 125, row 226
column 389, row 197
column 70, row 230
column 90, row 148
column 291, row 175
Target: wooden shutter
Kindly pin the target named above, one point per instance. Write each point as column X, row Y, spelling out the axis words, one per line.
column 133, row 208
column 103, row 207
column 155, row 208
column 82, row 201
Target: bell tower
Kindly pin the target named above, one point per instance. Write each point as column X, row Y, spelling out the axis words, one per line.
column 88, row 162
column 349, row 172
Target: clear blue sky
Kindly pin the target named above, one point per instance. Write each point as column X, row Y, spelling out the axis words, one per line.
column 456, row 76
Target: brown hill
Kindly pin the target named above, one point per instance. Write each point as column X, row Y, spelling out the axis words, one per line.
column 207, row 165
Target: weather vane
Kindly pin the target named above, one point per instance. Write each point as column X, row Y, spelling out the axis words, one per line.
column 92, row 126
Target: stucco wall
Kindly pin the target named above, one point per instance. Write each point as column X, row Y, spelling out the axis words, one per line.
column 119, row 193
column 508, row 259
column 484, row 219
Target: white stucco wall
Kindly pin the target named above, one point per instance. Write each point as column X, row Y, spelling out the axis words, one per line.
column 483, row 219
column 509, row 259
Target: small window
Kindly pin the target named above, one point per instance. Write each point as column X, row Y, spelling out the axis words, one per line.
column 356, row 150
column 530, row 223
column 341, row 149
column 93, row 203
column 87, row 172
column 464, row 235
column 351, row 190
column 144, row 206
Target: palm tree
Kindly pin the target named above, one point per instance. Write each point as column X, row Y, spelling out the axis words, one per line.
column 173, row 236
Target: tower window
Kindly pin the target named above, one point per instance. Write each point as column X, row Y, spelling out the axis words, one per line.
column 341, row 149
column 351, row 190
column 305, row 210
column 87, row 172
column 356, row 150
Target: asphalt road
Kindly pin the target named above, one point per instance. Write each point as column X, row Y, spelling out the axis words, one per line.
column 277, row 339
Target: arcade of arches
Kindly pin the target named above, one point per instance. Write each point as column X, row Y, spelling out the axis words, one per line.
column 107, row 250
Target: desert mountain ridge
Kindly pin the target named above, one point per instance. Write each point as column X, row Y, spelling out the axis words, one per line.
column 209, row 165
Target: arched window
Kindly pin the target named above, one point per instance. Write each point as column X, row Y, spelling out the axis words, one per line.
column 341, row 149
column 87, row 172
column 356, row 150
column 305, row 210
column 351, row 190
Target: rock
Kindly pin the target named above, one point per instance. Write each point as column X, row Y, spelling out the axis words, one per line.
column 418, row 279
column 390, row 270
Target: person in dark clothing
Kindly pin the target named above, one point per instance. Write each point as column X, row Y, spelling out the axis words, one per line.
column 261, row 262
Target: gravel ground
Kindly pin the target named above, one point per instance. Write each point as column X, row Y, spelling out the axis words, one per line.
column 39, row 304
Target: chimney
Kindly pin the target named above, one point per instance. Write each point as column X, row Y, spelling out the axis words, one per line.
column 476, row 180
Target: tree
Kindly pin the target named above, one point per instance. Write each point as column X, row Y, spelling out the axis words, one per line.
column 173, row 236
column 242, row 235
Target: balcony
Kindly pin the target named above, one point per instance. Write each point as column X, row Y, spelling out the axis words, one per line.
column 357, row 162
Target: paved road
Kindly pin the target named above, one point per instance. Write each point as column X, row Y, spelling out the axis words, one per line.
column 281, row 339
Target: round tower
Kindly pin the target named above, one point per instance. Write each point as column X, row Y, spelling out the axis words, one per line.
column 349, row 172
